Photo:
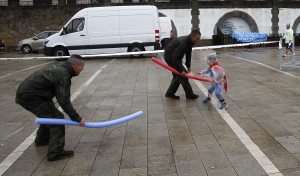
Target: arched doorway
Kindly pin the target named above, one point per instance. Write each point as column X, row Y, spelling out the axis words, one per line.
column 296, row 29
column 235, row 24
column 236, row 21
column 296, row 26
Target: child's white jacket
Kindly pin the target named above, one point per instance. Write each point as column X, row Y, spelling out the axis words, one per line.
column 217, row 73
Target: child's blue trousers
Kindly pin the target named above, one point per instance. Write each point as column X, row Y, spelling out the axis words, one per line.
column 218, row 88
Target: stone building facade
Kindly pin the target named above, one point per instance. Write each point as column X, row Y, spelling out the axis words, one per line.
column 21, row 19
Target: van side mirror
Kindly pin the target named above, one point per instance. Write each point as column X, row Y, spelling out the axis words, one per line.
column 35, row 38
column 64, row 31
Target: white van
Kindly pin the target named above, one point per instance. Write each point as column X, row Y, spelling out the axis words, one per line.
column 166, row 31
column 113, row 29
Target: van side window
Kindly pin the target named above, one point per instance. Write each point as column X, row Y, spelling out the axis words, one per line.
column 80, row 26
column 76, row 25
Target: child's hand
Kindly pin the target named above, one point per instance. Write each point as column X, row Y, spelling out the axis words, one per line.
column 211, row 80
column 199, row 72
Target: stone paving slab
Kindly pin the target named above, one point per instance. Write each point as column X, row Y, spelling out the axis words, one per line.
column 246, row 165
column 214, row 158
column 161, row 165
column 190, row 167
column 281, row 157
column 290, row 143
column 173, row 137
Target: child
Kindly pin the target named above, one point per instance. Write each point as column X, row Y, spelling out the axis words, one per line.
column 218, row 81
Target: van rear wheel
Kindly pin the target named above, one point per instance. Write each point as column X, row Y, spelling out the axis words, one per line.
column 60, row 51
column 136, row 48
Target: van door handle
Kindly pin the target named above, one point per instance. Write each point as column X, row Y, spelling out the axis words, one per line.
column 82, row 35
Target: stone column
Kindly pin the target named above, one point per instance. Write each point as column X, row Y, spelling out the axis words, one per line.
column 236, row 3
column 151, row 2
column 107, row 2
column 275, row 19
column 61, row 2
column 195, row 14
column 13, row 2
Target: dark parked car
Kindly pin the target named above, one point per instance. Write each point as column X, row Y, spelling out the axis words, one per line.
column 2, row 46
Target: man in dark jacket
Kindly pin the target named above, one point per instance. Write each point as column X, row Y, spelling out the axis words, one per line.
column 35, row 94
column 173, row 55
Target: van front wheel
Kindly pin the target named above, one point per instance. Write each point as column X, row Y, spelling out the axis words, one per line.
column 136, row 48
column 60, row 51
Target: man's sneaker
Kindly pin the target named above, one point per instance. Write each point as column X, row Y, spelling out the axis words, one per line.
column 224, row 106
column 207, row 99
column 66, row 154
column 192, row 97
column 294, row 54
column 172, row 96
column 284, row 55
column 39, row 144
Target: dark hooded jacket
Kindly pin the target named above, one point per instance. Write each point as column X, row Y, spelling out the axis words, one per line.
column 49, row 82
column 176, row 50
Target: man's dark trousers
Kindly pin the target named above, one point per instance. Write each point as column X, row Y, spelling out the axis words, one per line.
column 44, row 108
column 176, row 81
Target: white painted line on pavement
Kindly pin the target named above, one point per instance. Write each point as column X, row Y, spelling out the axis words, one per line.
column 18, row 152
column 4, row 76
column 15, row 132
column 264, row 65
column 261, row 158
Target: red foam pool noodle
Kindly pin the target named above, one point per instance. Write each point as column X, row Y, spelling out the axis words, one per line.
column 176, row 72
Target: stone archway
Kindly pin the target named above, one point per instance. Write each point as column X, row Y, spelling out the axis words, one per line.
column 174, row 30
column 296, row 23
column 239, row 14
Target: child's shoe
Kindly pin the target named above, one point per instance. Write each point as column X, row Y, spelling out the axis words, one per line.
column 207, row 99
column 224, row 104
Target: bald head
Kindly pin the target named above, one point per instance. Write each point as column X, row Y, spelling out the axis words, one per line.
column 77, row 62
column 288, row 26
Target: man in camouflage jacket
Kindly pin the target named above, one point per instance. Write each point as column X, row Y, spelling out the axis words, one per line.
column 173, row 55
column 35, row 94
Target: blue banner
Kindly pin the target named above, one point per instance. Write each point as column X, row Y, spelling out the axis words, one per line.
column 249, row 37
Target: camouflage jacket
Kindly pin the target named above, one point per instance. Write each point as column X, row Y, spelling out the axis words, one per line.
column 176, row 50
column 52, row 81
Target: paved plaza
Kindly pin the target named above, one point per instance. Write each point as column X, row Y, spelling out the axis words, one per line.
column 257, row 135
